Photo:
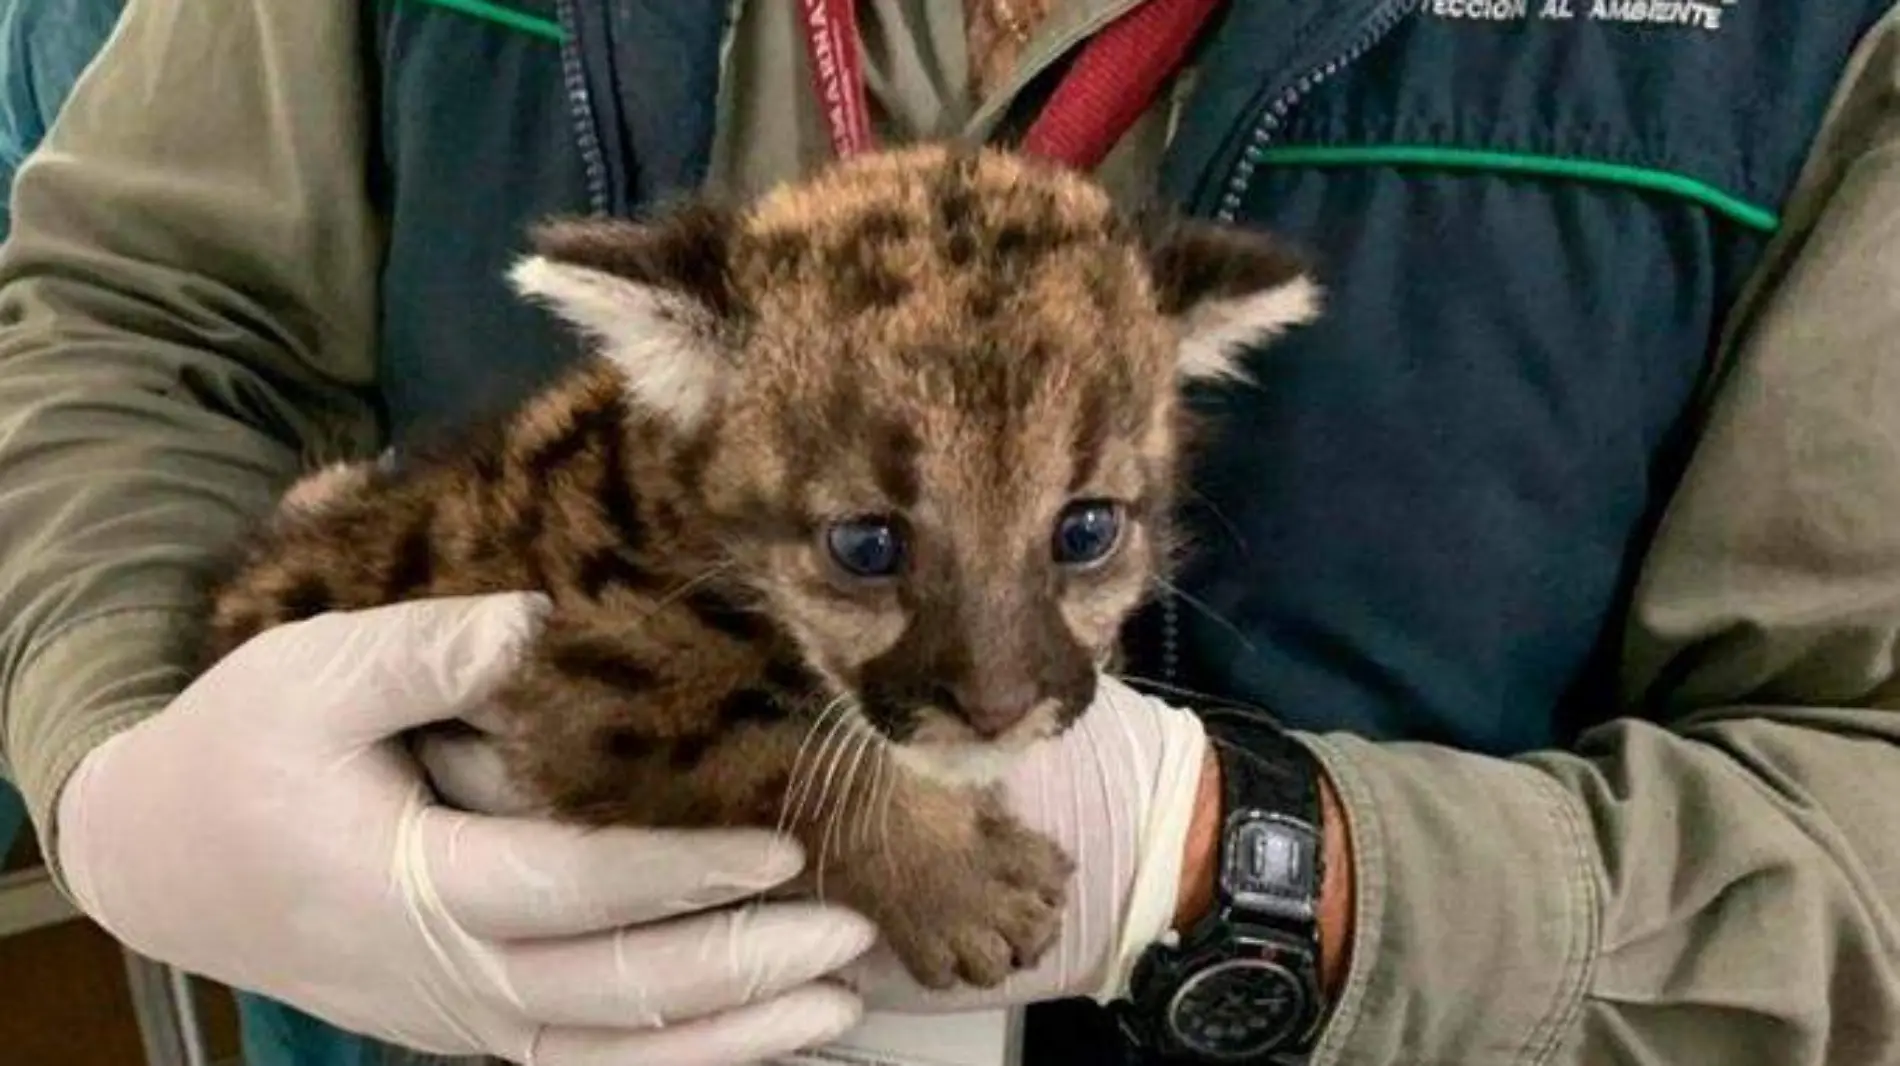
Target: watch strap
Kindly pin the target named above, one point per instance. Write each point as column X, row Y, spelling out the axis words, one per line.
column 1185, row 992
column 1265, row 771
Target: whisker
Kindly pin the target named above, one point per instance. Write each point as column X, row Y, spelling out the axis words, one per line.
column 794, row 783
column 808, row 783
column 1138, row 681
column 1204, row 700
column 869, row 806
column 847, row 796
column 840, row 814
column 1207, row 701
column 798, row 762
column 675, row 594
column 884, row 815
column 1209, row 613
column 1203, row 500
column 822, row 815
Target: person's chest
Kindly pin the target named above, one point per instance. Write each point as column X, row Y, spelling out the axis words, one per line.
column 1533, row 219
column 1425, row 517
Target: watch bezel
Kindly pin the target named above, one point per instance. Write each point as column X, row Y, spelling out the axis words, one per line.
column 1147, row 1015
column 1286, row 1026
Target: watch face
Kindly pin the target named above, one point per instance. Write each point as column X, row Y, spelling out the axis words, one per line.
column 1237, row 1010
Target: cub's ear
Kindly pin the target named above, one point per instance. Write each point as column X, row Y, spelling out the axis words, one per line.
column 1230, row 289
column 652, row 296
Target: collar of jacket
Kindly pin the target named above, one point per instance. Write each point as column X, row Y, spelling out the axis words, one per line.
column 646, row 78
column 1261, row 55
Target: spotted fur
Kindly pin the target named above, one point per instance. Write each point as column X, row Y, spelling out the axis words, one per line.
column 963, row 344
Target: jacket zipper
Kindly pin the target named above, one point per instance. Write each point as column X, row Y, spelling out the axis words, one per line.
column 587, row 66
column 581, row 107
column 1267, row 125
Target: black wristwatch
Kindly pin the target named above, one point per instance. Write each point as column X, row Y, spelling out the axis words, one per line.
column 1242, row 985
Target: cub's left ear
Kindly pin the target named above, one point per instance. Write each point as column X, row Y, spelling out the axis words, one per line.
column 1230, row 289
column 654, row 297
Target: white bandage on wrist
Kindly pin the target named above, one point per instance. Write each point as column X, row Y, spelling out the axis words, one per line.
column 1166, row 808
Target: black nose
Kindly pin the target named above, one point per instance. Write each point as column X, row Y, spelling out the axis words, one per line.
column 991, row 705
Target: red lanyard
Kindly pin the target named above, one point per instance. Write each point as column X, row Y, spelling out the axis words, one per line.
column 1108, row 87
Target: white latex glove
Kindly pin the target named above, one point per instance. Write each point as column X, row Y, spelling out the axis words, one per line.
column 1117, row 792
column 266, row 831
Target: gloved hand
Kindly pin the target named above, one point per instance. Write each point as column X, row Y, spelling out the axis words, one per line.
column 266, row 831
column 1117, row 792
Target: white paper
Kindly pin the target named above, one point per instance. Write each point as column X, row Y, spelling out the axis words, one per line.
column 984, row 1038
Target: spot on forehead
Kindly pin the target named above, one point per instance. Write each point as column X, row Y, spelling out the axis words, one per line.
column 879, row 225
column 1092, row 426
column 783, row 253
column 868, row 283
column 895, row 448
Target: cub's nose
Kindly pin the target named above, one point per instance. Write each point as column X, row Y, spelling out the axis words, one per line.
column 992, row 705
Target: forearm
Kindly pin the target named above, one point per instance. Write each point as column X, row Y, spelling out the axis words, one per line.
column 1713, row 895
column 118, row 498
column 188, row 301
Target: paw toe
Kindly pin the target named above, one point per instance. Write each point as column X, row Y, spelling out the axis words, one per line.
column 1030, row 925
column 1037, row 864
column 930, row 958
column 985, row 958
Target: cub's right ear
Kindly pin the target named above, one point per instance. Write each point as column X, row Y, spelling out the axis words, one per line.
column 653, row 296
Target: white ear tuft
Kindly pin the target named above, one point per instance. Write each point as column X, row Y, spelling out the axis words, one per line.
column 1217, row 333
column 659, row 338
column 322, row 489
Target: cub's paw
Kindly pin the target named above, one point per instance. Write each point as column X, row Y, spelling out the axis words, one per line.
column 992, row 910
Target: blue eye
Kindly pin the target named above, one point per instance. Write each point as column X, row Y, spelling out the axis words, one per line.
column 866, row 547
column 1086, row 532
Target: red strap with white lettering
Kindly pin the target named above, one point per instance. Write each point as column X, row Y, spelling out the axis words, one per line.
column 837, row 71
column 1107, row 88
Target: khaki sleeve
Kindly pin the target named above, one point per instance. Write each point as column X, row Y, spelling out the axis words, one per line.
column 1724, row 887
column 186, row 309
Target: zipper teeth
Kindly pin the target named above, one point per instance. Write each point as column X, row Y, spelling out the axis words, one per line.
column 1239, row 181
column 582, row 109
column 1275, row 115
